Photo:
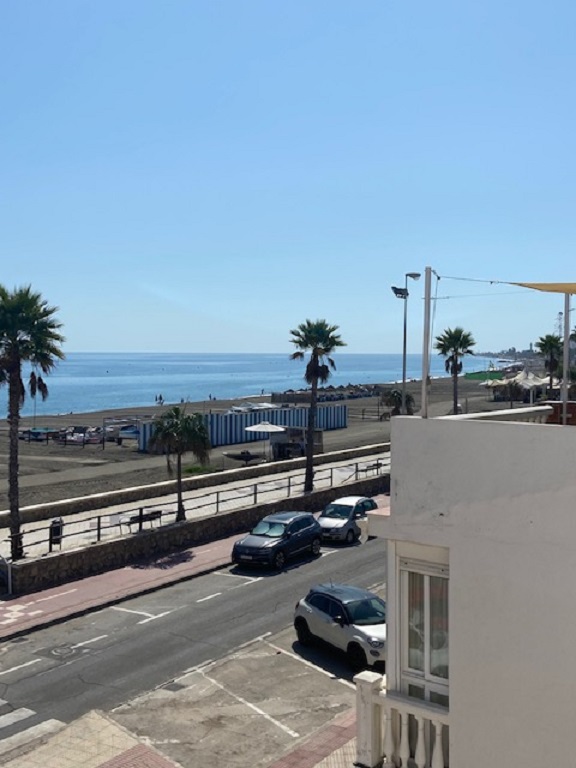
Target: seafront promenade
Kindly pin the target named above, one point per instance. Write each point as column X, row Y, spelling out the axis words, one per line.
column 112, row 521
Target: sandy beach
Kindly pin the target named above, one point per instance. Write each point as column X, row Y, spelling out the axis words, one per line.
column 46, row 469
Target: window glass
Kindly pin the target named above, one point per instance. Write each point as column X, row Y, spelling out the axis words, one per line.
column 416, row 621
column 438, row 627
column 335, row 608
column 320, row 602
column 271, row 529
column 367, row 612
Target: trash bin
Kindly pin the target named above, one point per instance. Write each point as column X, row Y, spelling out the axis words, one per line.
column 56, row 532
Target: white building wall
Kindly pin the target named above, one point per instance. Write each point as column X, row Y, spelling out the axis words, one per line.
column 502, row 498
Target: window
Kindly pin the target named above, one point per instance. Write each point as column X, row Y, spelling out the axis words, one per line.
column 424, row 629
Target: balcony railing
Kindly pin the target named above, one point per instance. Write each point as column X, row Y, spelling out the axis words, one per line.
column 393, row 729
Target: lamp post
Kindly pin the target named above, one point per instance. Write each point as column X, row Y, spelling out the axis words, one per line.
column 402, row 293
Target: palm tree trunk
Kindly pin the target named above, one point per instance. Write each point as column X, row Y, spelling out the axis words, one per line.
column 309, row 476
column 16, row 545
column 455, row 389
column 181, row 513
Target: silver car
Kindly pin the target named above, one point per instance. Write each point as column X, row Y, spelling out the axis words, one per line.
column 348, row 618
column 339, row 519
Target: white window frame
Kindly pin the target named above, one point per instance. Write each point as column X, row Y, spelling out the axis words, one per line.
column 423, row 679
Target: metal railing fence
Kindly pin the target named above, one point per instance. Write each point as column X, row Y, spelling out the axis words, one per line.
column 85, row 529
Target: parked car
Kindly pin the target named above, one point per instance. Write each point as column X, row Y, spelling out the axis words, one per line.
column 278, row 537
column 348, row 618
column 339, row 519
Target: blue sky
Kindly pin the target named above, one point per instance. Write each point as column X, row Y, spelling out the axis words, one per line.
column 196, row 176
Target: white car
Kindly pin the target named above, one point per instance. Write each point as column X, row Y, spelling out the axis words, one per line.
column 339, row 519
column 349, row 618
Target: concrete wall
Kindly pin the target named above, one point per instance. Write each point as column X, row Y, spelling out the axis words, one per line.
column 60, row 568
column 502, row 498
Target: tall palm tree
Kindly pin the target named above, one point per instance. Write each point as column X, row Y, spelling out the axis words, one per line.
column 551, row 349
column 29, row 334
column 320, row 340
column 177, row 432
column 454, row 344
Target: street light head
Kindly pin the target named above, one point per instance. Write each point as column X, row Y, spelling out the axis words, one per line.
column 413, row 275
column 400, row 293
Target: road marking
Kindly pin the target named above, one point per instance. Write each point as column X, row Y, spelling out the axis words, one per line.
column 87, row 642
column 313, row 666
column 25, row 737
column 129, row 610
column 20, row 666
column 15, row 716
column 53, row 597
column 157, row 616
column 253, row 707
column 209, row 597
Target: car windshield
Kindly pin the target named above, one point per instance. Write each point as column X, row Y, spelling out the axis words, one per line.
column 340, row 511
column 370, row 610
column 272, row 529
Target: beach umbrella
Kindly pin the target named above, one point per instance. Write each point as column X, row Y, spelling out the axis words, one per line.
column 265, row 427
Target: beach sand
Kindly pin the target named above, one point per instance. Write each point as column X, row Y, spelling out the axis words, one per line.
column 49, row 472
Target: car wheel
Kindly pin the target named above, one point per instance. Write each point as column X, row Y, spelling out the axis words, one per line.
column 305, row 637
column 315, row 547
column 357, row 658
column 279, row 560
column 350, row 537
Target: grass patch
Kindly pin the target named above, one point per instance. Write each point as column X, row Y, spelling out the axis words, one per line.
column 198, row 469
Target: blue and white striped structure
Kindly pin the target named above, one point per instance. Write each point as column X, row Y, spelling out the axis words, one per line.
column 230, row 428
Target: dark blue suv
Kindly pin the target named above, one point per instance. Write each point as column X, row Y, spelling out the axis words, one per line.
column 278, row 537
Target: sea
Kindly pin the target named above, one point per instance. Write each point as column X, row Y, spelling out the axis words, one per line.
column 94, row 381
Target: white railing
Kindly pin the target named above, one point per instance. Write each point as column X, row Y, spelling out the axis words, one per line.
column 397, row 730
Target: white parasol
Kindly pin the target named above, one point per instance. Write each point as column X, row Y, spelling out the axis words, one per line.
column 265, row 427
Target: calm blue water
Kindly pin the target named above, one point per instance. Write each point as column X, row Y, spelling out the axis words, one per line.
column 87, row 382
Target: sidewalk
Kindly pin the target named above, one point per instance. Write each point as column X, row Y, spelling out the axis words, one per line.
column 331, row 747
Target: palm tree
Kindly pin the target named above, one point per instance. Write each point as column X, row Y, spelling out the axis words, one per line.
column 320, row 340
column 176, row 432
column 454, row 344
column 551, row 349
column 29, row 333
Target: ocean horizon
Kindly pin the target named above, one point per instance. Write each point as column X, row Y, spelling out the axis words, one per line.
column 94, row 381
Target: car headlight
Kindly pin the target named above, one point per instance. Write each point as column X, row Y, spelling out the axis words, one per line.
column 375, row 643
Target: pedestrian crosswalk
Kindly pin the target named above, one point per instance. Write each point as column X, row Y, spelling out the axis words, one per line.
column 20, row 726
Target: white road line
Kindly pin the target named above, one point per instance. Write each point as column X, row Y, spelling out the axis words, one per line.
column 53, row 597
column 209, row 597
column 128, row 610
column 157, row 616
column 25, row 737
column 87, row 642
column 245, row 579
column 20, row 666
column 15, row 716
column 253, row 707
column 312, row 666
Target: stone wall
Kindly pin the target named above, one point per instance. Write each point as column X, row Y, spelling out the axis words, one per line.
column 60, row 568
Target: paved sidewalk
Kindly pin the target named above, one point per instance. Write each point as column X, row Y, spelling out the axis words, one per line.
column 331, row 747
column 28, row 612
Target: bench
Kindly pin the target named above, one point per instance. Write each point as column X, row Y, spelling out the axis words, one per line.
column 375, row 467
column 141, row 518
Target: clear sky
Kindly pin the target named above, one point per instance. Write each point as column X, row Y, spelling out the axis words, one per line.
column 204, row 175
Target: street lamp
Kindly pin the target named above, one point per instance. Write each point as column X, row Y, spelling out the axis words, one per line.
column 402, row 293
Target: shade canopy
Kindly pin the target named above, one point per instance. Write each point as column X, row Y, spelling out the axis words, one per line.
column 265, row 427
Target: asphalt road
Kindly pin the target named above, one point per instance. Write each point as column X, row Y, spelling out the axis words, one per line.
column 109, row 658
